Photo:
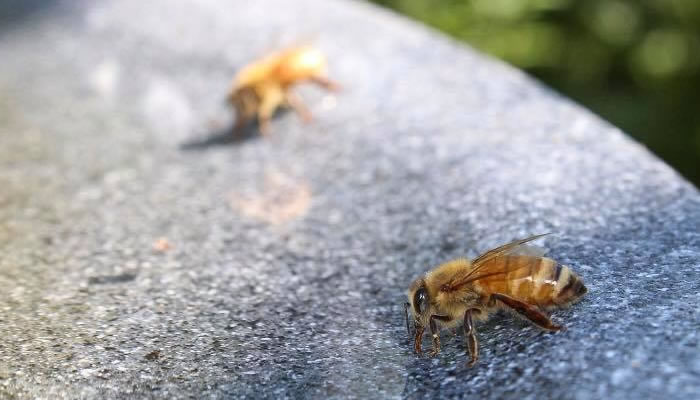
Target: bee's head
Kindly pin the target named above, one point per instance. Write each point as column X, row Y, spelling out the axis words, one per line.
column 244, row 100
column 418, row 302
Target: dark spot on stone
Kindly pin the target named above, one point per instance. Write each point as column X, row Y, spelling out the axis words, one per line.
column 400, row 246
column 107, row 279
column 448, row 244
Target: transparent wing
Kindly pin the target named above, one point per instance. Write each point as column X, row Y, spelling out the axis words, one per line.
column 527, row 250
column 505, row 249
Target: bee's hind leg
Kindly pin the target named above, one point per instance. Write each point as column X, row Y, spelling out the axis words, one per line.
column 528, row 311
column 470, row 335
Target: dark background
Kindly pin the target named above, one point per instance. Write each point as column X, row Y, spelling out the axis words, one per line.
column 636, row 63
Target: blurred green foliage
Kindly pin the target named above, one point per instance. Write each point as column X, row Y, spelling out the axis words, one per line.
column 634, row 62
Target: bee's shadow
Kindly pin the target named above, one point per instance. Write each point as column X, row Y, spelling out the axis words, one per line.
column 228, row 136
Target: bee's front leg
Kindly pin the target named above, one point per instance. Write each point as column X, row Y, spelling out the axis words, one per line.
column 298, row 106
column 239, row 126
column 270, row 101
column 419, row 340
column 326, row 83
column 470, row 335
column 435, row 332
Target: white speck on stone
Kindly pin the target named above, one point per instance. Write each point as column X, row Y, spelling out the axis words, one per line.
column 87, row 372
column 329, row 102
column 620, row 375
column 167, row 110
column 104, row 78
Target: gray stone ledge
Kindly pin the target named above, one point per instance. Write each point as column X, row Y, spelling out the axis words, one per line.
column 432, row 152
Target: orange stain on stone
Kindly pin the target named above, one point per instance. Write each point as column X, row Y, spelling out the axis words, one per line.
column 281, row 199
column 162, row 245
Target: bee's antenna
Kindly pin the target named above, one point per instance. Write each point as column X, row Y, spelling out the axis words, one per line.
column 408, row 328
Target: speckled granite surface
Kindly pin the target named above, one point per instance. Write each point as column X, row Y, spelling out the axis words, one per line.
column 287, row 258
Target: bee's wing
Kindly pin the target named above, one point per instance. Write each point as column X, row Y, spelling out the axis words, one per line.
column 527, row 250
column 510, row 248
column 513, row 248
column 501, row 268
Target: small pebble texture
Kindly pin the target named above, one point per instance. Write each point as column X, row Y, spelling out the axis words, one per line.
column 146, row 254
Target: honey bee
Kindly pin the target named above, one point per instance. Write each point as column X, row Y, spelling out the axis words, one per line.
column 513, row 277
column 260, row 88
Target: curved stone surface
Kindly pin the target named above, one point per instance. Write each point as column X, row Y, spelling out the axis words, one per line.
column 142, row 255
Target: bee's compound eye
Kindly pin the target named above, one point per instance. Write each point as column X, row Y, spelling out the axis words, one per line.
column 420, row 301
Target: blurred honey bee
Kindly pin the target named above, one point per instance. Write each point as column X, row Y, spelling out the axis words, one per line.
column 514, row 277
column 260, row 88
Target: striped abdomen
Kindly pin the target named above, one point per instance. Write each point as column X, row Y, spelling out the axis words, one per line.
column 534, row 280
